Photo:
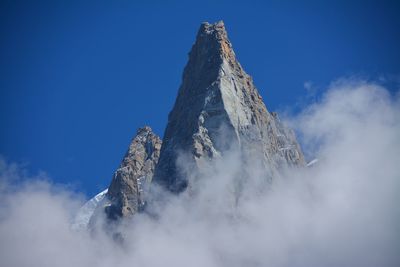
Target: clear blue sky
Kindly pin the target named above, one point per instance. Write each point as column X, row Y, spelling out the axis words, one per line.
column 77, row 79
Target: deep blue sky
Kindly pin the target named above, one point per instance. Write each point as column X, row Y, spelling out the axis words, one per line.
column 77, row 79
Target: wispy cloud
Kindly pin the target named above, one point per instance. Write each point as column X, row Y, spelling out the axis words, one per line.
column 343, row 211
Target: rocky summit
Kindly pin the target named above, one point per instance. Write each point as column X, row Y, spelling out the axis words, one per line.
column 218, row 109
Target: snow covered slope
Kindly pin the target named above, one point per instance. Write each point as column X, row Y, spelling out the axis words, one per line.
column 84, row 214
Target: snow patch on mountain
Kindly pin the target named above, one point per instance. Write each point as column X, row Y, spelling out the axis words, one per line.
column 84, row 214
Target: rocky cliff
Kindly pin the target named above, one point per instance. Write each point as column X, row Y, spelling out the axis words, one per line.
column 218, row 109
column 131, row 180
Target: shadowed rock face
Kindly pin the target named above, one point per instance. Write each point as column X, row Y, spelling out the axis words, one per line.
column 217, row 109
column 130, row 182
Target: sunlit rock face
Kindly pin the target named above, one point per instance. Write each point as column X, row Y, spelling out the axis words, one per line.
column 218, row 112
column 130, row 183
column 218, row 109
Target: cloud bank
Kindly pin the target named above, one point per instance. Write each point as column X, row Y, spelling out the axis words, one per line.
column 343, row 211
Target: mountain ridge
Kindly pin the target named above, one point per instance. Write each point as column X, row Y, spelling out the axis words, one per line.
column 217, row 110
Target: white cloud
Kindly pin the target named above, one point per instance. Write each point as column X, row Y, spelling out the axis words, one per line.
column 341, row 212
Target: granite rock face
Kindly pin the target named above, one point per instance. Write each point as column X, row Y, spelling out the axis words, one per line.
column 218, row 109
column 132, row 179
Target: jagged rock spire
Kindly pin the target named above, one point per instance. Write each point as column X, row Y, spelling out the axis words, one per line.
column 219, row 108
column 131, row 180
column 215, row 35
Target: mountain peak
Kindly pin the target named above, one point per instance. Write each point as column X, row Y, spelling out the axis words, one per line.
column 218, row 109
column 144, row 130
column 212, row 42
column 210, row 28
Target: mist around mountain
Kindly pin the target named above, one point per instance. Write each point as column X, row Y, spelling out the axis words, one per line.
column 229, row 184
column 343, row 211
